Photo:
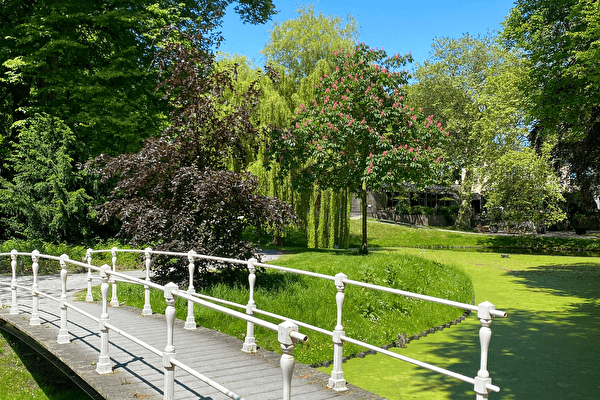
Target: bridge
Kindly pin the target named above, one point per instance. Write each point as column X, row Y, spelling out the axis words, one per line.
column 120, row 352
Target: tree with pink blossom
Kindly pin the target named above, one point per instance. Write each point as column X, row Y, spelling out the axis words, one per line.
column 358, row 133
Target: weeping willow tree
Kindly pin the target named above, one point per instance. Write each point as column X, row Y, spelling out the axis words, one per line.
column 299, row 63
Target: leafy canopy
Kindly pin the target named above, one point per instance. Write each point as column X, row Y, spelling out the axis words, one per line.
column 91, row 63
column 358, row 129
column 298, row 44
column 47, row 198
column 472, row 85
column 176, row 193
column 521, row 186
column 561, row 43
column 358, row 133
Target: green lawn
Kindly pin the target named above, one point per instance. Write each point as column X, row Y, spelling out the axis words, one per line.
column 390, row 235
column 24, row 374
column 547, row 348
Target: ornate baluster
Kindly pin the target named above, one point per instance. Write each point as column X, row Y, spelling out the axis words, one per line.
column 35, row 313
column 337, row 381
column 88, row 256
column 169, row 389
column 287, row 358
column 485, row 334
column 63, row 333
column 14, row 306
column 249, row 345
column 147, row 307
column 104, row 365
column 114, row 301
column 190, row 321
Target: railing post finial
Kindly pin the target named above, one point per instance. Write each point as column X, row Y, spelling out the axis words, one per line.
column 14, row 305
column 337, row 381
column 169, row 388
column 114, row 301
column 482, row 380
column 287, row 361
column 63, row 333
column 147, row 310
column 88, row 296
column 104, row 365
column 190, row 321
column 35, row 313
column 249, row 345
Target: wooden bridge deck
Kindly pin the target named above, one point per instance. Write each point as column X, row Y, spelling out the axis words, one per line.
column 138, row 373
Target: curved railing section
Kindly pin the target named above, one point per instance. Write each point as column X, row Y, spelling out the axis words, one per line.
column 287, row 331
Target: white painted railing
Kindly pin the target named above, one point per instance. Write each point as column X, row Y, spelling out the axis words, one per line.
column 287, row 331
column 482, row 382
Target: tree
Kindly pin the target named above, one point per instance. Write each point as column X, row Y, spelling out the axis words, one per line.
column 47, row 199
column 358, row 133
column 91, row 63
column 299, row 43
column 472, row 85
column 176, row 193
column 522, row 187
column 560, row 41
column 298, row 50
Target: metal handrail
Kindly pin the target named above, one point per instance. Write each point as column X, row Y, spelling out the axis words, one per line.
column 486, row 311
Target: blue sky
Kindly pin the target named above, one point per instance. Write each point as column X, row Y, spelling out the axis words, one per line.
column 399, row 26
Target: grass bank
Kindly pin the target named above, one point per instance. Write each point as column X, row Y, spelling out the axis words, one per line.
column 391, row 235
column 547, row 348
column 370, row 316
column 24, row 374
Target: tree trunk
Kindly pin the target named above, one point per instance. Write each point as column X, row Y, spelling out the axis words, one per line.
column 363, row 205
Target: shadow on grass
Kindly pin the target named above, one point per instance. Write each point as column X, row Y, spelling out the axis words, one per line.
column 547, row 243
column 535, row 354
column 580, row 279
column 54, row 383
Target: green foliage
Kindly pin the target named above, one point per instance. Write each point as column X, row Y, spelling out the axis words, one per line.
column 177, row 193
column 91, row 63
column 559, row 41
column 46, row 198
column 299, row 50
column 471, row 85
column 357, row 132
column 298, row 44
column 523, row 185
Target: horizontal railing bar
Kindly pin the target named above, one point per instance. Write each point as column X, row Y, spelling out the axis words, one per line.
column 265, row 313
column 295, row 271
column 225, row 310
column 217, row 300
column 299, row 323
column 80, row 311
column 28, row 288
column 129, row 278
column 422, row 364
column 133, row 339
column 412, row 295
column 432, row 299
column 451, row 303
column 206, row 380
column 48, row 296
column 55, row 258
